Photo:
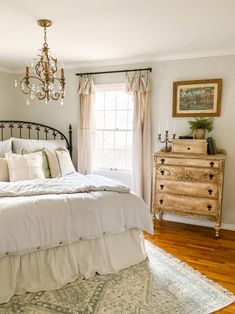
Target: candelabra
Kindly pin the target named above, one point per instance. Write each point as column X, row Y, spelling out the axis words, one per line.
column 166, row 139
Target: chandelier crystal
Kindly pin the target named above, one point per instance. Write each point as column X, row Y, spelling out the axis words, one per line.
column 43, row 83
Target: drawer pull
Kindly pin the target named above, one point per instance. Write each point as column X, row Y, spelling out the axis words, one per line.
column 161, row 202
column 161, row 186
column 188, row 148
column 162, row 172
column 209, row 207
column 210, row 191
column 212, row 163
column 162, row 161
column 211, row 176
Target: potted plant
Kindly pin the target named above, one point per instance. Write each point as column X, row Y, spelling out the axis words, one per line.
column 199, row 126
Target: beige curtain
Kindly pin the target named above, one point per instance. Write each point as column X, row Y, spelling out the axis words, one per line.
column 86, row 92
column 139, row 85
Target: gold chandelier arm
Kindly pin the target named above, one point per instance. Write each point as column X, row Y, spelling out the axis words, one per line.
column 55, row 96
column 24, row 83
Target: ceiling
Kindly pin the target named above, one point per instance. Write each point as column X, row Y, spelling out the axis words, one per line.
column 89, row 31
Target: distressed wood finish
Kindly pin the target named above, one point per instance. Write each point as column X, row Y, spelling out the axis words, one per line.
column 195, row 246
column 189, row 146
column 192, row 162
column 208, row 190
column 188, row 184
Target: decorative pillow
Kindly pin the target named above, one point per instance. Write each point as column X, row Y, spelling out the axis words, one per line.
column 5, row 147
column 65, row 162
column 60, row 164
column 25, row 167
column 53, row 163
column 35, row 145
column 45, row 163
column 4, row 173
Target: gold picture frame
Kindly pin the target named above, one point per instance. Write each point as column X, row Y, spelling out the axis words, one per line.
column 198, row 98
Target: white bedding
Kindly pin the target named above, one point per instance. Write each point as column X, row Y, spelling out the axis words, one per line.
column 42, row 214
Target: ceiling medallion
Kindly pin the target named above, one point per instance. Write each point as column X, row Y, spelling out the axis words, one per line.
column 43, row 83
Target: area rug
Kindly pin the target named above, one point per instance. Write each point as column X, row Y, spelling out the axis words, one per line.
column 161, row 284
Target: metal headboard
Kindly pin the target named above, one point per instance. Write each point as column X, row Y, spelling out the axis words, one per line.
column 41, row 131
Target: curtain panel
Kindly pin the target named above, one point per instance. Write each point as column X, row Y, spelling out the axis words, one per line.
column 86, row 92
column 139, row 86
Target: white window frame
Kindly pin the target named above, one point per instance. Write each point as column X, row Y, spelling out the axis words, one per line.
column 103, row 170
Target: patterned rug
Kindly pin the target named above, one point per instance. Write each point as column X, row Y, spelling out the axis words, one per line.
column 162, row 284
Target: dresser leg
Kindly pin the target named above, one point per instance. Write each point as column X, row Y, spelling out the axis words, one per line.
column 160, row 213
column 217, row 229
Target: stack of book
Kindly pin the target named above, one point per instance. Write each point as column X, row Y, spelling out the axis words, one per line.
column 211, row 147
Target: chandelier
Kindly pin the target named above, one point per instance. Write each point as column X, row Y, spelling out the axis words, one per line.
column 43, row 83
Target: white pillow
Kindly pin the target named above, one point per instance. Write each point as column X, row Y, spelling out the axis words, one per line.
column 5, row 147
column 60, row 162
column 53, row 163
column 32, row 145
column 65, row 162
column 4, row 173
column 25, row 167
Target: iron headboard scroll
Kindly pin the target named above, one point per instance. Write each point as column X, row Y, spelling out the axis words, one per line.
column 38, row 128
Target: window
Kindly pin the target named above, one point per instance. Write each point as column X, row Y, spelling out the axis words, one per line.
column 113, row 129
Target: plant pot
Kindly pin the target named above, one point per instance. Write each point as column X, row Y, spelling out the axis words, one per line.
column 199, row 134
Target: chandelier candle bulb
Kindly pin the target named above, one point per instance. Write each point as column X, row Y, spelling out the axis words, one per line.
column 27, row 70
column 159, row 128
column 166, row 124
column 174, row 128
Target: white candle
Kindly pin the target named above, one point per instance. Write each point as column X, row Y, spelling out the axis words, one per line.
column 159, row 128
column 174, row 128
column 166, row 124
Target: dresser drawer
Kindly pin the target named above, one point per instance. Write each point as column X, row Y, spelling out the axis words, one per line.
column 196, row 189
column 187, row 174
column 189, row 146
column 210, row 163
column 186, row 204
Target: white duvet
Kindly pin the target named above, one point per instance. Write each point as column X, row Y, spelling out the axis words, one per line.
column 41, row 214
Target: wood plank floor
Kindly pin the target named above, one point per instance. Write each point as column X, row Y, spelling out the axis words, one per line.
column 196, row 246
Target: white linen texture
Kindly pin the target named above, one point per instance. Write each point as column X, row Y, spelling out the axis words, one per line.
column 5, row 147
column 65, row 162
column 4, row 173
column 25, row 167
column 52, row 269
column 32, row 145
column 59, row 161
column 53, row 212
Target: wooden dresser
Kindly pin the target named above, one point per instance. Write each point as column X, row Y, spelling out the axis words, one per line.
column 188, row 184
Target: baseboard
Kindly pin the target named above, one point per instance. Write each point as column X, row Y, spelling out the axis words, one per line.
column 197, row 222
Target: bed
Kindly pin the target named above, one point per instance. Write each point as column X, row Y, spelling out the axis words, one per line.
column 56, row 229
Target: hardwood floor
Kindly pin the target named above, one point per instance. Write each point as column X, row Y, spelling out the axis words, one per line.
column 196, row 246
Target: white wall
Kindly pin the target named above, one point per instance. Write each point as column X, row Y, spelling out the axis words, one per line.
column 7, row 97
column 163, row 75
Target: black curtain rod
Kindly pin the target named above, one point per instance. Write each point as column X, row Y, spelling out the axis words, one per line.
column 117, row 71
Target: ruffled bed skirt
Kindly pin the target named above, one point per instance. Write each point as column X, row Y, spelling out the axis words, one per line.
column 53, row 268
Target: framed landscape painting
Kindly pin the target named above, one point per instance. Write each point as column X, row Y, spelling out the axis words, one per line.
column 197, row 98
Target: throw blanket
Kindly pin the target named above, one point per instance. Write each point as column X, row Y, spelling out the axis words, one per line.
column 41, row 214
